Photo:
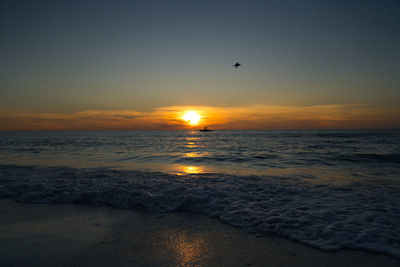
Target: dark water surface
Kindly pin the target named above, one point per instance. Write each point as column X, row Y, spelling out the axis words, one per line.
column 322, row 155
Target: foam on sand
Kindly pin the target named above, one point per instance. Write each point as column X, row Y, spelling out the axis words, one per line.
column 331, row 217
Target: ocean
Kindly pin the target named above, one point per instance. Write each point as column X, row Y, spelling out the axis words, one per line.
column 329, row 189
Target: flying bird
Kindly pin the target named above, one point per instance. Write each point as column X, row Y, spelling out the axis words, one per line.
column 236, row 65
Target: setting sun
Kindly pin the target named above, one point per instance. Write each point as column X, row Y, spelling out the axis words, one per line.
column 191, row 117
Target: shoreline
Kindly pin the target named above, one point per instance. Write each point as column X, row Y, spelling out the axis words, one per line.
column 86, row 235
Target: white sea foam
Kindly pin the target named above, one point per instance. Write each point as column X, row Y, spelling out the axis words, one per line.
column 359, row 216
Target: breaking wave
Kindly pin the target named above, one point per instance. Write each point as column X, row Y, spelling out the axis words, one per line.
column 331, row 217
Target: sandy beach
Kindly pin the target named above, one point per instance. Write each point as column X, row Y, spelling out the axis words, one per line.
column 83, row 235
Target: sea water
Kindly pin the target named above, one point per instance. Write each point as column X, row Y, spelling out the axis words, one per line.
column 329, row 189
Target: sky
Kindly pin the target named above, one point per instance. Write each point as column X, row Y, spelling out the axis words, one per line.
column 111, row 65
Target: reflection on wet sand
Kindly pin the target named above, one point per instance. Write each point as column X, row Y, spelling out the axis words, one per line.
column 186, row 249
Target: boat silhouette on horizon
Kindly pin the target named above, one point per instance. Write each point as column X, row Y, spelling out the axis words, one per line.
column 205, row 129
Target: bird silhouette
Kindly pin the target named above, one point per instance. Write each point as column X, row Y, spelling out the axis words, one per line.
column 236, row 65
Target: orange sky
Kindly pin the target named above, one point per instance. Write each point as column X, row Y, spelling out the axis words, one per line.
column 243, row 117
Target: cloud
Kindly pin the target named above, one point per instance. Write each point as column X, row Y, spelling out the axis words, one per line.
column 243, row 117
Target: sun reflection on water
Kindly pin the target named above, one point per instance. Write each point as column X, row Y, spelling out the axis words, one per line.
column 190, row 142
column 192, row 169
column 190, row 145
column 191, row 155
column 196, row 154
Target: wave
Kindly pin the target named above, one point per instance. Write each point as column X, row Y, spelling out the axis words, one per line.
column 355, row 133
column 357, row 216
column 368, row 158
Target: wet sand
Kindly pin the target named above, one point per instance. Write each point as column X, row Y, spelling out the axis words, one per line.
column 83, row 235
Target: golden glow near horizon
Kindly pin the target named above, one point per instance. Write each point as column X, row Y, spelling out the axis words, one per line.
column 191, row 117
column 253, row 117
